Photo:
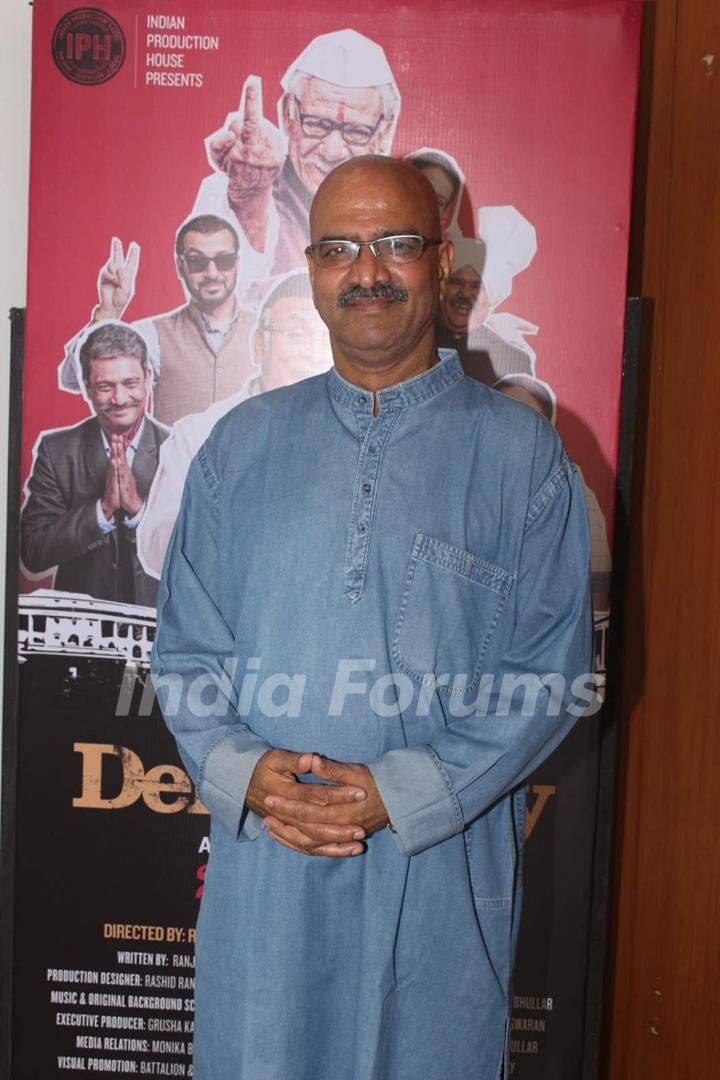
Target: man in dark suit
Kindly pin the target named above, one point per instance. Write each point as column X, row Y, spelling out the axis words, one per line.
column 89, row 483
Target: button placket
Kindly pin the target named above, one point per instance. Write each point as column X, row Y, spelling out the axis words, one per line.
column 374, row 433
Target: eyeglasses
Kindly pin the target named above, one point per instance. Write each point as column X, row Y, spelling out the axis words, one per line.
column 396, row 249
column 319, row 127
column 224, row 261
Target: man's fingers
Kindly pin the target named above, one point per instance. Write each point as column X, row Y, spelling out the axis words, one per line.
column 252, row 110
column 220, row 144
column 332, row 851
column 132, row 261
column 305, row 810
column 288, row 761
column 321, row 794
column 340, row 794
column 303, row 763
column 120, row 460
column 284, row 843
column 289, row 832
column 116, row 252
column 299, row 841
column 317, row 831
column 327, row 769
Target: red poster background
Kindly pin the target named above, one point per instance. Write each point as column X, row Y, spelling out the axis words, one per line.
column 534, row 100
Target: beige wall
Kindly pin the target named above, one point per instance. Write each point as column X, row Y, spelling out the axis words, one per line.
column 15, row 22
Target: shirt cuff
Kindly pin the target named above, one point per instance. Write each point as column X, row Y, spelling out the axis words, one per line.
column 224, row 779
column 418, row 796
column 104, row 525
column 134, row 521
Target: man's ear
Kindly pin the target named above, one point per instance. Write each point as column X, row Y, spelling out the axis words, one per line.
column 286, row 104
column 380, row 142
column 257, row 348
column 446, row 252
column 311, row 269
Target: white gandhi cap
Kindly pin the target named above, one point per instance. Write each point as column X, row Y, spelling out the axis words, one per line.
column 510, row 245
column 469, row 252
column 344, row 58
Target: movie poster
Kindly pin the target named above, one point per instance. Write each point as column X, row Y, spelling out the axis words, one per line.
column 175, row 152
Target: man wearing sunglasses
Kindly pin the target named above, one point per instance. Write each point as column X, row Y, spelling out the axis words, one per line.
column 377, row 550
column 340, row 101
column 199, row 352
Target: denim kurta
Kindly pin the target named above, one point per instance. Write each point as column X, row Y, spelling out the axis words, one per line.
column 403, row 564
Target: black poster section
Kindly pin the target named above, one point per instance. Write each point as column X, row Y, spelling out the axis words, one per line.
column 104, row 918
column 558, row 979
column 111, row 846
column 10, row 669
column 636, row 352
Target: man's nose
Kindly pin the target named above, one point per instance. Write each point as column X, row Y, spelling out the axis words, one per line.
column 334, row 148
column 120, row 395
column 370, row 268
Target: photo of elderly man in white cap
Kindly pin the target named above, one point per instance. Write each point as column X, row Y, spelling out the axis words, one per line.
column 490, row 345
column 340, row 100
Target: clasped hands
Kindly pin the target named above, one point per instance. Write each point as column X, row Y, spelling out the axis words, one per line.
column 120, row 488
column 329, row 819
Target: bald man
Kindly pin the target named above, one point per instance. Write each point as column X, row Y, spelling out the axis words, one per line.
column 369, row 567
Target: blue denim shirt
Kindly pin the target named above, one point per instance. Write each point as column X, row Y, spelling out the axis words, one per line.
column 378, row 589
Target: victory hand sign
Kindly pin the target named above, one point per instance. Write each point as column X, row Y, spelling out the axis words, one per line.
column 116, row 282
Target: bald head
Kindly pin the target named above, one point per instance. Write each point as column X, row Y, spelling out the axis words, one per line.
column 379, row 179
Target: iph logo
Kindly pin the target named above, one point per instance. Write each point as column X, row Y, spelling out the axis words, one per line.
column 88, row 46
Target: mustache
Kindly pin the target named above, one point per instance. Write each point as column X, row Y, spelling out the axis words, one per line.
column 381, row 290
column 119, row 408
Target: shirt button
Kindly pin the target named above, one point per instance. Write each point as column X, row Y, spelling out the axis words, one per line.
column 221, row 371
column 353, row 594
column 367, row 488
column 362, row 527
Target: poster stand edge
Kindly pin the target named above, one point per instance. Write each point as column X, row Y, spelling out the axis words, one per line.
column 638, row 329
column 10, row 688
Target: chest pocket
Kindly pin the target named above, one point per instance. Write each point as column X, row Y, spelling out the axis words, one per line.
column 450, row 606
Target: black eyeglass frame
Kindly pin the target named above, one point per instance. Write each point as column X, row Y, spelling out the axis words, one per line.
column 336, row 125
